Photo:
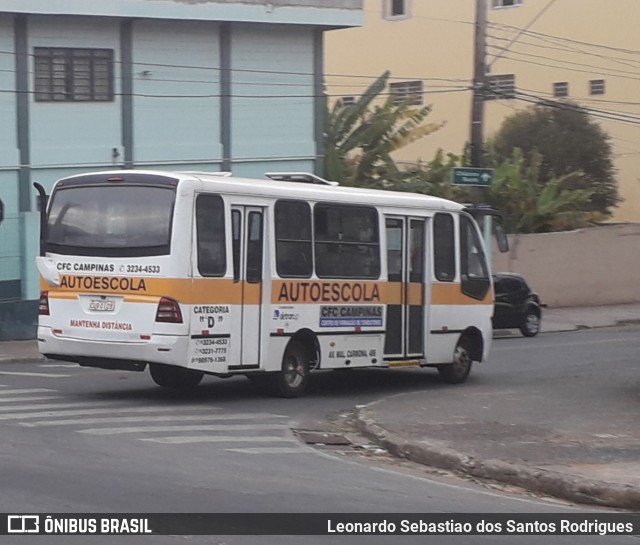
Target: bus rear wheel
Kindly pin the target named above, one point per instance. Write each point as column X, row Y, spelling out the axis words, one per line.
column 177, row 378
column 293, row 379
column 458, row 371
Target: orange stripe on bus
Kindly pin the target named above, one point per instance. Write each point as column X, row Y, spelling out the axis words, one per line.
column 450, row 293
column 227, row 291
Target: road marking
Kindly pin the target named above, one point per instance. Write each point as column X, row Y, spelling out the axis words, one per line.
column 107, row 410
column 119, row 420
column 43, row 406
column 269, row 450
column 27, row 391
column 184, row 439
column 179, row 427
column 41, row 375
column 28, row 398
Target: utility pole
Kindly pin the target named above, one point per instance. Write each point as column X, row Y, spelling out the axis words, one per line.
column 479, row 84
column 477, row 112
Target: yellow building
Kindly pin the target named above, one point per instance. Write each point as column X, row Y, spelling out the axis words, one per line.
column 585, row 50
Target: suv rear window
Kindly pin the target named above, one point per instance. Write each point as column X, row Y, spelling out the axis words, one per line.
column 116, row 220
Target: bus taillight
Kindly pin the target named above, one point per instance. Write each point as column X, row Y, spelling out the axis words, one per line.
column 43, row 305
column 168, row 311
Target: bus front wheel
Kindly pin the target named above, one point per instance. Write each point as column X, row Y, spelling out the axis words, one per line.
column 294, row 377
column 458, row 371
column 177, row 378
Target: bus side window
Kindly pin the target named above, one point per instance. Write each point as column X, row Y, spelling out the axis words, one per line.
column 212, row 259
column 236, row 243
column 444, row 258
column 394, row 249
column 347, row 242
column 293, row 239
column 473, row 264
column 254, row 248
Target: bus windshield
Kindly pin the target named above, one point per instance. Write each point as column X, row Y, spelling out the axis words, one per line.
column 115, row 220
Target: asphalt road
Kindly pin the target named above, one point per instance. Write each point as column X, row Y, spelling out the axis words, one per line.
column 85, row 440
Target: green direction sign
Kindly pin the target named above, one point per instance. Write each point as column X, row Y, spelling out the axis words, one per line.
column 472, row 176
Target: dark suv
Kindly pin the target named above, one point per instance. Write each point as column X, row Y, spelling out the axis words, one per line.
column 516, row 306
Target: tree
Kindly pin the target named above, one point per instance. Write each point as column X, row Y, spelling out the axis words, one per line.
column 360, row 137
column 434, row 178
column 561, row 140
column 532, row 206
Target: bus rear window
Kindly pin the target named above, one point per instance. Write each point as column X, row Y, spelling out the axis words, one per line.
column 111, row 220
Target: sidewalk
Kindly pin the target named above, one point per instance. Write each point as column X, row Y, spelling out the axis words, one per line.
column 577, row 439
column 519, row 434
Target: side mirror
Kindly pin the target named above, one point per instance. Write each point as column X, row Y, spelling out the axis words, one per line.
column 501, row 237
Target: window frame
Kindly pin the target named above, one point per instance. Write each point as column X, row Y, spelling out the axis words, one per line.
column 55, row 244
column 474, row 285
column 438, row 254
column 221, row 269
column 388, row 10
column 597, row 87
column 500, row 4
column 55, row 67
column 309, row 215
column 318, row 243
column 501, row 87
column 561, row 89
column 403, row 91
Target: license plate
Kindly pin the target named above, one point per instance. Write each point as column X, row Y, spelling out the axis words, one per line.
column 100, row 305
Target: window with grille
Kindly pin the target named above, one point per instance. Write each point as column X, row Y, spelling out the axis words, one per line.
column 506, row 3
column 561, row 89
column 348, row 100
column 501, row 86
column 407, row 90
column 597, row 87
column 64, row 74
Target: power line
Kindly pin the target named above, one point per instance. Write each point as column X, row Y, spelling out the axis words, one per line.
column 563, row 39
column 597, row 69
column 593, row 112
column 522, row 31
column 567, row 49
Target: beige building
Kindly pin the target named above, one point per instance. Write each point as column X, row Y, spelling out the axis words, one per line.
column 585, row 50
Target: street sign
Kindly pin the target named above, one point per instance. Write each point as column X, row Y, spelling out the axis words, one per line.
column 472, row 176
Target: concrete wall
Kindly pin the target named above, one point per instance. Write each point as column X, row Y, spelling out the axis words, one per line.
column 595, row 266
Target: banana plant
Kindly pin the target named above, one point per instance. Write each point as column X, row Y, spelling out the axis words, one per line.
column 361, row 137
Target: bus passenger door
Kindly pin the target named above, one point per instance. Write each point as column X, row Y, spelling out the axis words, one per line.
column 406, row 267
column 248, row 258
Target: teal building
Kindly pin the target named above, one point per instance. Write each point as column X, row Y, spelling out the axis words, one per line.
column 215, row 85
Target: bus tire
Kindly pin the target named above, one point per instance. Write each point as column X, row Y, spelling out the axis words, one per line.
column 458, row 371
column 293, row 379
column 176, row 378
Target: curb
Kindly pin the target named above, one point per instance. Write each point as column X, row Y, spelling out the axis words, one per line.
column 552, row 483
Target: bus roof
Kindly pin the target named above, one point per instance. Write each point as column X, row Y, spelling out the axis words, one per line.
column 225, row 183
